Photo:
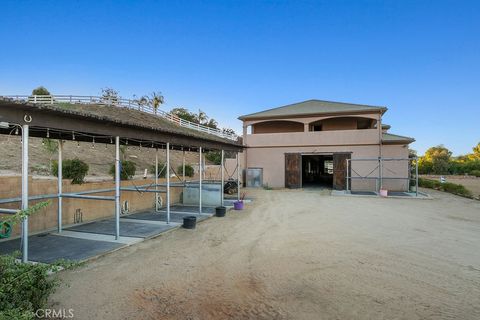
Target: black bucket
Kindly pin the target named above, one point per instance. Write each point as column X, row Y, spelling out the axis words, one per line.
column 220, row 211
column 189, row 222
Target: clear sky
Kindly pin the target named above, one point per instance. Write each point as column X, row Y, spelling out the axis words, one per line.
column 421, row 59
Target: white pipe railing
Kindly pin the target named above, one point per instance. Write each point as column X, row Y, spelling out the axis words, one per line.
column 124, row 103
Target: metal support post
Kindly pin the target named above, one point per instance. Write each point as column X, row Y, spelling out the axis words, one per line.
column 348, row 176
column 25, row 191
column 59, row 184
column 223, row 177
column 117, row 187
column 416, row 177
column 381, row 172
column 183, row 166
column 156, row 180
column 238, row 176
column 200, row 182
column 168, row 182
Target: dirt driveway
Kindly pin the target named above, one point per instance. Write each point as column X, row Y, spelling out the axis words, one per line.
column 296, row 255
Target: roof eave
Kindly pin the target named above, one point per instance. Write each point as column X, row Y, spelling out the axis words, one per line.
column 381, row 110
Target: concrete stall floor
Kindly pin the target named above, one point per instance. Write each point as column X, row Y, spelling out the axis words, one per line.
column 175, row 217
column 135, row 229
column 189, row 209
column 48, row 248
column 391, row 194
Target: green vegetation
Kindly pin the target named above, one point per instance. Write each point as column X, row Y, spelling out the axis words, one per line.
column 189, row 172
column 40, row 91
column 127, row 170
column 162, row 170
column 214, row 156
column 200, row 118
column 74, row 169
column 51, row 147
column 25, row 287
column 475, row 173
column 439, row 160
column 453, row 188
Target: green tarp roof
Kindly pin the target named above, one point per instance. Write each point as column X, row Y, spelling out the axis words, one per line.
column 388, row 137
column 311, row 107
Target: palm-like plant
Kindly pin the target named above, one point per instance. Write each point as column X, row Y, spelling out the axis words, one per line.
column 156, row 99
column 202, row 117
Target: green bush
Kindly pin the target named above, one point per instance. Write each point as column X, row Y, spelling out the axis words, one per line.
column 475, row 173
column 214, row 156
column 189, row 172
column 74, row 169
column 162, row 170
column 127, row 170
column 24, row 287
column 41, row 91
column 449, row 187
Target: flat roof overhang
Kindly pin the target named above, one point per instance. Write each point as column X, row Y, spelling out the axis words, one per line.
column 66, row 124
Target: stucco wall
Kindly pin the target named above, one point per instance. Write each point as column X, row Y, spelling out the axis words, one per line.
column 272, row 160
column 10, row 187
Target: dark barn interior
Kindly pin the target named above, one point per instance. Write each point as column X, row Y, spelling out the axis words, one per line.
column 317, row 171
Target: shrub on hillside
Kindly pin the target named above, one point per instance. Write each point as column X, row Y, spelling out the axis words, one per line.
column 74, row 169
column 127, row 170
column 162, row 170
column 188, row 170
column 40, row 91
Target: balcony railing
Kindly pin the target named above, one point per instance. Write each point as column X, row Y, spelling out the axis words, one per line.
column 314, row 138
column 122, row 103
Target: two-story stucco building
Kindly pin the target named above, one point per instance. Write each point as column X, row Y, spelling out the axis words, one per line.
column 308, row 143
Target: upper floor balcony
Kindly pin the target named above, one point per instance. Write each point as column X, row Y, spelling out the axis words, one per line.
column 313, row 138
column 343, row 130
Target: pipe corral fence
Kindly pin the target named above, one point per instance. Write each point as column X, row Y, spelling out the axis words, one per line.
column 29, row 117
column 365, row 174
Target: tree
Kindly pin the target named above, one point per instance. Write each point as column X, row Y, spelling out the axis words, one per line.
column 156, row 99
column 142, row 101
column 476, row 151
column 184, row 114
column 212, row 123
column 40, row 91
column 109, row 95
column 202, row 117
column 437, row 158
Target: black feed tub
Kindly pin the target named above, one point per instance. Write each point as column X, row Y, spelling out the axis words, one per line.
column 220, row 211
column 189, row 222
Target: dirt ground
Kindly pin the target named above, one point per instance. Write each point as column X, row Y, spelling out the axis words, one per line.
column 471, row 183
column 296, row 255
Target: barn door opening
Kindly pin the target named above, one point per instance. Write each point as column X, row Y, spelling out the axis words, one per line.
column 317, row 171
column 293, row 170
column 340, row 170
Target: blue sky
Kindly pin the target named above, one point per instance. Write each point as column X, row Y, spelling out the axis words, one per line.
column 228, row 58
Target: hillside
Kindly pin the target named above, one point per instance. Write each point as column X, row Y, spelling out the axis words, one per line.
column 99, row 157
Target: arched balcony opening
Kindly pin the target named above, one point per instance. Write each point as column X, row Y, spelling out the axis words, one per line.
column 277, row 126
column 342, row 123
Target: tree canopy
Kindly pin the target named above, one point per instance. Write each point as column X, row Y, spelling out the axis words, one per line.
column 40, row 91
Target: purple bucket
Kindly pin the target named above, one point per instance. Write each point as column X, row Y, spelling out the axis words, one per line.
column 238, row 205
